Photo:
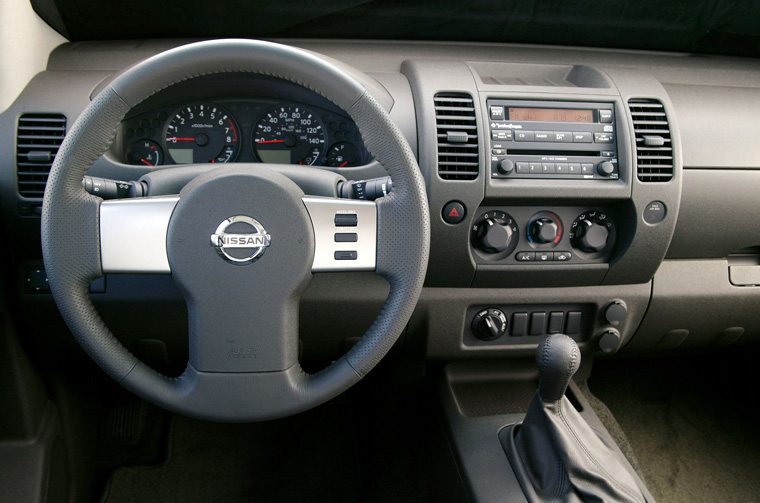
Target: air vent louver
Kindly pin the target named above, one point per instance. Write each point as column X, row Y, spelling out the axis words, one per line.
column 37, row 142
column 654, row 150
column 457, row 130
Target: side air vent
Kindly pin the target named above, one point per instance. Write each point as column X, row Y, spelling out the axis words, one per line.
column 654, row 150
column 457, row 130
column 37, row 142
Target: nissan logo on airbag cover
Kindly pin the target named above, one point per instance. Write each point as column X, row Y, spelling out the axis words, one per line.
column 240, row 240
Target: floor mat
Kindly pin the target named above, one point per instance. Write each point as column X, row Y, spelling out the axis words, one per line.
column 690, row 423
column 309, row 457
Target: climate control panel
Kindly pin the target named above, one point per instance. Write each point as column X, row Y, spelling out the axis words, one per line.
column 520, row 235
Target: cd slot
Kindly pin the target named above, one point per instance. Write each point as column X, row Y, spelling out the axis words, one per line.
column 564, row 153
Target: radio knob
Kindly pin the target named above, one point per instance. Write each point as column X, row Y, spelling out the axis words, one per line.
column 605, row 168
column 493, row 236
column 590, row 237
column 505, row 167
column 544, row 230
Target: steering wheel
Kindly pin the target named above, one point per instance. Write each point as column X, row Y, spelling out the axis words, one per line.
column 241, row 242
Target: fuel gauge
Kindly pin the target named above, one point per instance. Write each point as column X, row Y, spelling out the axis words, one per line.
column 342, row 155
column 145, row 152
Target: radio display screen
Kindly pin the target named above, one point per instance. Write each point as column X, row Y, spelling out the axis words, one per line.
column 550, row 115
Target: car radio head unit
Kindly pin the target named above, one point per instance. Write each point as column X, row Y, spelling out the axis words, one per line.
column 551, row 139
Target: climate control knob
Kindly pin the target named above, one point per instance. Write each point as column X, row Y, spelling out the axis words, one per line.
column 590, row 236
column 544, row 230
column 494, row 236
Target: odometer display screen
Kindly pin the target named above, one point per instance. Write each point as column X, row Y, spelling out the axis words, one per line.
column 550, row 115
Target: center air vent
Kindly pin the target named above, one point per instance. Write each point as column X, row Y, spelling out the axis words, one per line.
column 654, row 149
column 457, row 130
column 39, row 137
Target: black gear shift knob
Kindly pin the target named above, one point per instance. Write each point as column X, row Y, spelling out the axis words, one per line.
column 558, row 359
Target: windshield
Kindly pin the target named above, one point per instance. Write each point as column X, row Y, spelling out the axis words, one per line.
column 712, row 27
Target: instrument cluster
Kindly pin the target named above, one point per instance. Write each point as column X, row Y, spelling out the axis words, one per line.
column 242, row 130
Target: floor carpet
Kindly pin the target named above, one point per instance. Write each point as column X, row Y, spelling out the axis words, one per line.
column 690, row 421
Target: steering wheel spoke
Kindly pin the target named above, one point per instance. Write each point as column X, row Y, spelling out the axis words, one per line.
column 345, row 234
column 133, row 234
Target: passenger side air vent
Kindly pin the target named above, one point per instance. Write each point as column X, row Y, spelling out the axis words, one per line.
column 457, row 130
column 654, row 150
column 39, row 137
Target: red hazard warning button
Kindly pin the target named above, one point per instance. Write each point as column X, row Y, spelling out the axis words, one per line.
column 453, row 212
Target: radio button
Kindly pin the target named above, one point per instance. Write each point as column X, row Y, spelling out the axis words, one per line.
column 535, row 168
column 563, row 168
column 603, row 137
column 582, row 137
column 524, row 136
column 548, row 168
column 497, row 113
column 498, row 151
column 502, row 135
column 505, row 167
column 563, row 137
column 544, row 136
column 608, row 153
column 605, row 116
column 575, row 169
column 522, row 168
column 587, row 169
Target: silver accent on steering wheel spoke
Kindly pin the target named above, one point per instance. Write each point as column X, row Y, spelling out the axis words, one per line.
column 345, row 234
column 133, row 234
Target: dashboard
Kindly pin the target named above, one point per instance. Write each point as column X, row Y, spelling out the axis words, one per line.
column 581, row 191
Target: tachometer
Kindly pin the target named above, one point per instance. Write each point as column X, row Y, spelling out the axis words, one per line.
column 202, row 132
column 289, row 135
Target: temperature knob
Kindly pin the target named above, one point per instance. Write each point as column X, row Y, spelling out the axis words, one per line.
column 544, row 230
column 494, row 236
column 591, row 237
column 489, row 324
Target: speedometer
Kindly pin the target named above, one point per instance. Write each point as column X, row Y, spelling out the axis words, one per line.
column 202, row 132
column 289, row 135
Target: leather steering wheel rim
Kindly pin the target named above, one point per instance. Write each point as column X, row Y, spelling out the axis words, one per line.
column 71, row 234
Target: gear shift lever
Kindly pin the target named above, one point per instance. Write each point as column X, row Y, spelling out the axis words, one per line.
column 554, row 453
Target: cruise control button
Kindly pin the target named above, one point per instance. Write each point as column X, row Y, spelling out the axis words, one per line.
column 544, row 256
column 563, row 136
column 582, row 137
column 522, row 168
column 346, row 237
column 525, row 256
column 603, row 137
column 543, row 136
column 562, row 256
column 346, row 220
column 345, row 255
column 524, row 136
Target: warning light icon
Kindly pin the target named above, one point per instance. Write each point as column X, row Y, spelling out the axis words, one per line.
column 453, row 213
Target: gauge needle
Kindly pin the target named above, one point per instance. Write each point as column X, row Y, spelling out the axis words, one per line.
column 180, row 139
column 343, row 164
column 146, row 162
column 271, row 141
